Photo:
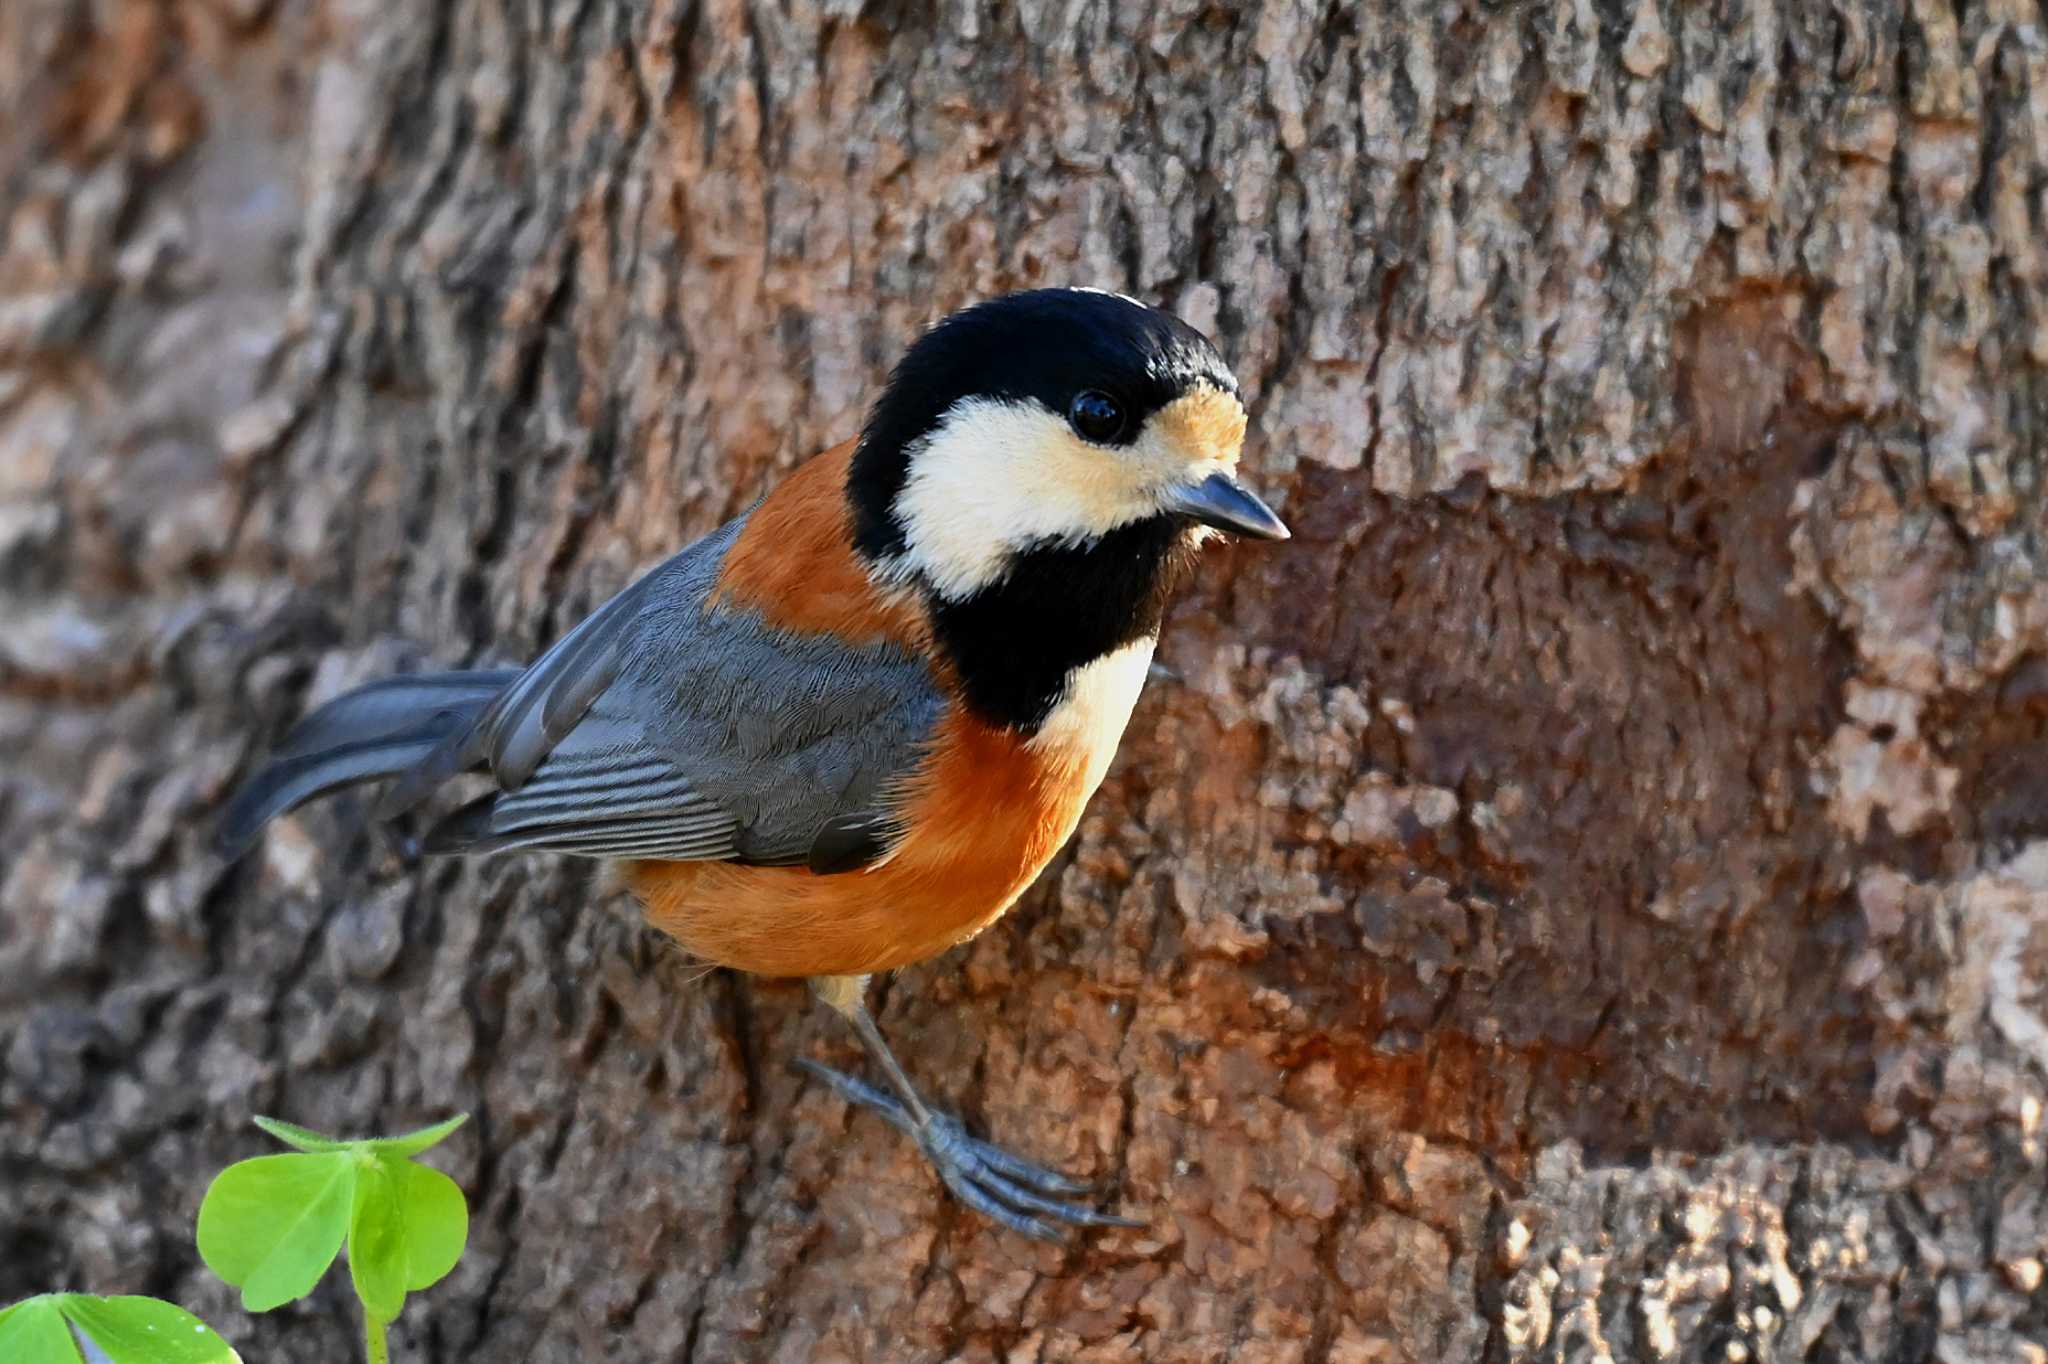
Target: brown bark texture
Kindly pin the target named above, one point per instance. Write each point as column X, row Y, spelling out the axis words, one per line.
column 1585, row 899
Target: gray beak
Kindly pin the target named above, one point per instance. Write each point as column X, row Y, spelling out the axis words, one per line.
column 1221, row 501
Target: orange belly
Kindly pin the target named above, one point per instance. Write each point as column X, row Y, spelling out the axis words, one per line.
column 985, row 814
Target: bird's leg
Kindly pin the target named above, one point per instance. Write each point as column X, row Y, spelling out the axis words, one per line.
column 1005, row 1188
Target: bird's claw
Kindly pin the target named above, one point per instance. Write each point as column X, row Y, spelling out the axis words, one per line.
column 1017, row 1193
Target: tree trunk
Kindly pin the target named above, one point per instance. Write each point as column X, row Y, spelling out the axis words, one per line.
column 1586, row 898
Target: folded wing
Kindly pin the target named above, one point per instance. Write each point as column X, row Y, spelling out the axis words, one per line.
column 655, row 729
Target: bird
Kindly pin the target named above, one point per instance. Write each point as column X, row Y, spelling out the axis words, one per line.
column 845, row 731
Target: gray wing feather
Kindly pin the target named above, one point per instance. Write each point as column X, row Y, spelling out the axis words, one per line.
column 664, row 840
column 531, row 717
column 598, row 804
column 657, row 729
column 524, row 721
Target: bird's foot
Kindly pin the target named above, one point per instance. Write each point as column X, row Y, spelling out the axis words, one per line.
column 1004, row 1188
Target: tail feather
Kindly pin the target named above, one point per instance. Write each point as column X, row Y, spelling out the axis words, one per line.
column 377, row 731
column 393, row 706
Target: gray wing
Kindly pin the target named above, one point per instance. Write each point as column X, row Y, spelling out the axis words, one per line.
column 657, row 730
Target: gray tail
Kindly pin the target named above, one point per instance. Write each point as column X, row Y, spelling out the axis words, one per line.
column 373, row 732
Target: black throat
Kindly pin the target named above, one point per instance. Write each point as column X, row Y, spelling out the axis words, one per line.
column 1014, row 642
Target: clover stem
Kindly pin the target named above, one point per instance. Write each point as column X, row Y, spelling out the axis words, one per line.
column 376, row 1338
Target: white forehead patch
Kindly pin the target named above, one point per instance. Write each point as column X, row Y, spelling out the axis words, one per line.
column 995, row 476
column 1106, row 293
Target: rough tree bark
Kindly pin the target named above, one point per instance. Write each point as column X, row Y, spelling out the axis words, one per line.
column 1586, row 899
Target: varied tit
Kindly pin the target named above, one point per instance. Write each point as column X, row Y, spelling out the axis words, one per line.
column 844, row 732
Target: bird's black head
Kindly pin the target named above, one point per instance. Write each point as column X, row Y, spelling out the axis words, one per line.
column 1038, row 465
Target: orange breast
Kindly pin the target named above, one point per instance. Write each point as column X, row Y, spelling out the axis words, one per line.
column 985, row 811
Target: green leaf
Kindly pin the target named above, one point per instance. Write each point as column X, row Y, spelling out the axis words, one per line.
column 412, row 1143
column 271, row 1226
column 33, row 1332
column 305, row 1138
column 406, row 1144
column 135, row 1330
column 376, row 1242
column 436, row 1222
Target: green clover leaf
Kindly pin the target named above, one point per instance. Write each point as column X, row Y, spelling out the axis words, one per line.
column 412, row 1143
column 136, row 1330
column 304, row 1138
column 376, row 1241
column 406, row 1232
column 436, row 1222
column 34, row 1332
column 127, row 1330
column 407, row 1144
column 271, row 1226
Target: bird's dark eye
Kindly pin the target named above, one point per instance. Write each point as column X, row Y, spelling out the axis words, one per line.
column 1096, row 416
